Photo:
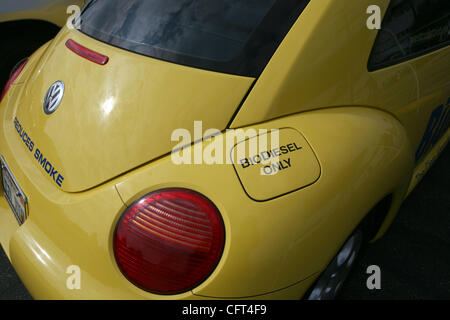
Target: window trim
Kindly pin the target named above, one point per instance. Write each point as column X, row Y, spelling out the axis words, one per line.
column 412, row 56
column 252, row 69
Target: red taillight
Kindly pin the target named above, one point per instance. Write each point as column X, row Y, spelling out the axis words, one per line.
column 169, row 241
column 16, row 72
column 87, row 53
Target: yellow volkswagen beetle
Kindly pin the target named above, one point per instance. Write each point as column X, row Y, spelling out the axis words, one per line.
column 129, row 167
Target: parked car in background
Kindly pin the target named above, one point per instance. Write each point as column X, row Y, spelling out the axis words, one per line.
column 25, row 25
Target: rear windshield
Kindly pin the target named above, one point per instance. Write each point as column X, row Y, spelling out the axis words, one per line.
column 231, row 36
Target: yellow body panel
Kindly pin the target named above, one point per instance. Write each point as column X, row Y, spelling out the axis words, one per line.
column 295, row 158
column 362, row 130
column 279, row 241
column 129, row 87
column 334, row 78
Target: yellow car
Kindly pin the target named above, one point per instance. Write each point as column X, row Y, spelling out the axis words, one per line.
column 129, row 167
column 25, row 25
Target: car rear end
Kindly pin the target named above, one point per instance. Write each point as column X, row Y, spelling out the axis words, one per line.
column 71, row 176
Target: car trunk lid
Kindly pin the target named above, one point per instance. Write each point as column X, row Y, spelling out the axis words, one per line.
column 118, row 116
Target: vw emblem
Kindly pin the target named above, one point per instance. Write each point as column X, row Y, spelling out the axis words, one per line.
column 53, row 97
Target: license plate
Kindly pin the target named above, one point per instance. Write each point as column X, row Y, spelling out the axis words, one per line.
column 13, row 194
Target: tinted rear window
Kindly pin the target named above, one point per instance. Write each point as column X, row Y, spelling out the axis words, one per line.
column 232, row 36
column 411, row 28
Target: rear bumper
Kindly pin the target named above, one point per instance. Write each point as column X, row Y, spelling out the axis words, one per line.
column 54, row 238
column 42, row 263
column 270, row 245
column 43, row 275
column 64, row 230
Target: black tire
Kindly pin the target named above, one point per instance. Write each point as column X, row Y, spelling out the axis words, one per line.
column 363, row 233
column 330, row 282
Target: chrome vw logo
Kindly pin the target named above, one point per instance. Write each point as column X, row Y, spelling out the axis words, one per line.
column 53, row 97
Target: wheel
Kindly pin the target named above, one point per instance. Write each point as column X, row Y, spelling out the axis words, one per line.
column 331, row 280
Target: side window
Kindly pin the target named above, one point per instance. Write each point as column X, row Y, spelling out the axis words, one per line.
column 411, row 28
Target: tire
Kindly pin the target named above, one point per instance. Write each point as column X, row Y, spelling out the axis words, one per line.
column 329, row 283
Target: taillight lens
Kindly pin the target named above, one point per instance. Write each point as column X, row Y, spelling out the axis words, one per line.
column 15, row 73
column 169, row 241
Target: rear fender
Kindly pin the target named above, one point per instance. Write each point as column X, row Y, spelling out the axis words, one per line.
column 364, row 155
column 363, row 152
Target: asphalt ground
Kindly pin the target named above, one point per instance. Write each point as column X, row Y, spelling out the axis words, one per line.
column 413, row 257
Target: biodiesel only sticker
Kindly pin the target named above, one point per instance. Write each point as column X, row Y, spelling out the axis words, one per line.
column 290, row 166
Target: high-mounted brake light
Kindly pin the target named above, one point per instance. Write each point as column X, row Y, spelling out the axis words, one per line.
column 14, row 75
column 87, row 53
column 169, row 241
